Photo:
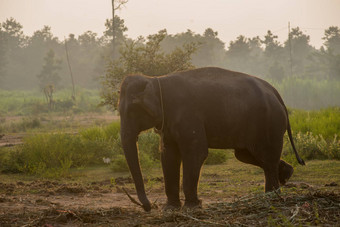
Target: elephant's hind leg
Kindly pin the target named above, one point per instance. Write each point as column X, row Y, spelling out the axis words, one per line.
column 285, row 172
column 269, row 165
column 271, row 173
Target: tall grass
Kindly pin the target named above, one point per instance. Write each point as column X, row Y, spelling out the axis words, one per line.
column 325, row 122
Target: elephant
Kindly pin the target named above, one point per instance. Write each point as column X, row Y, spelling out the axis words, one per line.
column 198, row 109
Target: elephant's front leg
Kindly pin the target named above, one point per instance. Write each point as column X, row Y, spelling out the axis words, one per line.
column 194, row 152
column 171, row 164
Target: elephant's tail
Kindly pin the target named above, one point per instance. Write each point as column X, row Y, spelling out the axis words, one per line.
column 300, row 160
column 289, row 130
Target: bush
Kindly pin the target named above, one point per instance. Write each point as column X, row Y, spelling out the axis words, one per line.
column 311, row 147
column 119, row 163
column 47, row 154
column 216, row 157
column 148, row 143
column 54, row 154
column 9, row 160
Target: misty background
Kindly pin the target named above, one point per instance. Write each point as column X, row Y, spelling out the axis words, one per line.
column 306, row 76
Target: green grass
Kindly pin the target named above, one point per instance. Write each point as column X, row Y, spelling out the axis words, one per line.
column 325, row 122
column 33, row 102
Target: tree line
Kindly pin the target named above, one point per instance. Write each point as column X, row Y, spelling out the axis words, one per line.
column 30, row 62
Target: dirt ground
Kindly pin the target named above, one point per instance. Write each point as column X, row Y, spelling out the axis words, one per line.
column 54, row 203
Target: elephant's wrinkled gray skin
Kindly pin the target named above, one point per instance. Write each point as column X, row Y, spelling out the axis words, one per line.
column 204, row 108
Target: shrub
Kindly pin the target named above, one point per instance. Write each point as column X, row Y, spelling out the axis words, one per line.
column 311, row 147
column 112, row 131
column 9, row 160
column 216, row 157
column 148, row 143
column 47, row 154
column 119, row 163
column 93, row 134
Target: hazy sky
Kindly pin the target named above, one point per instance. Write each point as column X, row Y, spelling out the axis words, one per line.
column 230, row 18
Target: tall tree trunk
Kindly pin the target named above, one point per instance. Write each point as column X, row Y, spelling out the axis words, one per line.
column 113, row 30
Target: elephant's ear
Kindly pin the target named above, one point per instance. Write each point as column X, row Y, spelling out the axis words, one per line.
column 147, row 99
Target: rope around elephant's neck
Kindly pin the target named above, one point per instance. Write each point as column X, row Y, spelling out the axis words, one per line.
column 162, row 106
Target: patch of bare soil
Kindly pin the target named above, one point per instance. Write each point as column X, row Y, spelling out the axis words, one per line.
column 9, row 140
column 52, row 203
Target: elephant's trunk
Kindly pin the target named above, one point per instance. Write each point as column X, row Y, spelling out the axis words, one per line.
column 131, row 155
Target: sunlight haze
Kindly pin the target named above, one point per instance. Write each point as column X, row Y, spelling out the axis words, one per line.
column 230, row 18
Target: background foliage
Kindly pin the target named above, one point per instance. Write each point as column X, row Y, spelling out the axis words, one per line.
column 312, row 83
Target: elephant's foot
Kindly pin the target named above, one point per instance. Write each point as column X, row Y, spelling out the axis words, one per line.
column 189, row 205
column 172, row 205
column 285, row 172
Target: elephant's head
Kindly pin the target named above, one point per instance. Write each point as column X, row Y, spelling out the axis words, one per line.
column 139, row 107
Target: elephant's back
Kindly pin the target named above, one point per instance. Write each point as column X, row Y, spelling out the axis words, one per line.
column 231, row 103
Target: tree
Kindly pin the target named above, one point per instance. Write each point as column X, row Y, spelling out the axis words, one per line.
column 49, row 74
column 273, row 49
column 211, row 51
column 332, row 39
column 144, row 57
column 324, row 64
column 13, row 33
column 114, row 35
column 12, row 42
column 273, row 57
column 300, row 50
column 116, row 4
column 3, row 51
column 238, row 54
